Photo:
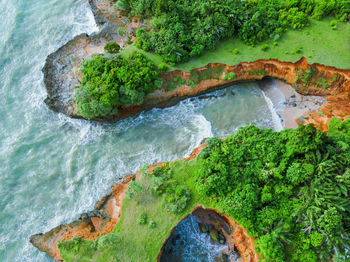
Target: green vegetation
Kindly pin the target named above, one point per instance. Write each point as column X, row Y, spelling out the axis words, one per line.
column 112, row 82
column 326, row 46
column 230, row 76
column 112, row 48
column 336, row 126
column 289, row 189
column 181, row 30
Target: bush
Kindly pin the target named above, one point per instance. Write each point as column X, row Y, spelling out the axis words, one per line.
column 121, row 31
column 162, row 67
column 152, row 224
column 264, row 47
column 112, row 48
column 230, row 76
column 142, row 219
column 110, row 83
column 235, row 51
column 177, row 198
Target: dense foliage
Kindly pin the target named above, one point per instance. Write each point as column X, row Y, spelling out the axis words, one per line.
column 112, row 48
column 112, row 82
column 183, row 29
column 176, row 197
column 289, row 189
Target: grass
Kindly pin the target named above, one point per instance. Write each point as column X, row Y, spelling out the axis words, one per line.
column 320, row 44
column 137, row 242
column 140, row 242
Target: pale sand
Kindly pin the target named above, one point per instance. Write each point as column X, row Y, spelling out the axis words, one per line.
column 297, row 106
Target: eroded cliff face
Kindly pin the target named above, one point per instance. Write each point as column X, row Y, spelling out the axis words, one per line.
column 100, row 221
column 307, row 79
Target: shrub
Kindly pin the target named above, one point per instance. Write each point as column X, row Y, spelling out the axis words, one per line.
column 152, row 224
column 112, row 48
column 162, row 67
column 230, row 76
column 109, row 83
column 264, row 47
column 121, row 31
column 333, row 23
column 177, row 198
column 235, row 51
column 133, row 189
column 142, row 219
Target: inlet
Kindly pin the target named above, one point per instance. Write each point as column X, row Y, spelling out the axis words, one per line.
column 207, row 236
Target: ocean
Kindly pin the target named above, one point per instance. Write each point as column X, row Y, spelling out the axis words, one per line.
column 54, row 168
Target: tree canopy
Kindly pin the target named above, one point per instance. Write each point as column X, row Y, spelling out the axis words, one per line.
column 290, row 189
column 109, row 83
column 184, row 29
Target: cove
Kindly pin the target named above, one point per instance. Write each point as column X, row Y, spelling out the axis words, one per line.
column 162, row 135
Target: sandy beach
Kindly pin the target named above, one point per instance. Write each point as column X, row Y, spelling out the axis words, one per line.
column 295, row 106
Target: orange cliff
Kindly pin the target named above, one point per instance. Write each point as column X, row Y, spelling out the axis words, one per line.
column 336, row 85
column 99, row 222
column 210, row 78
column 107, row 212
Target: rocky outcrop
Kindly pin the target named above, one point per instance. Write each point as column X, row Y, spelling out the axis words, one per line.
column 90, row 225
column 61, row 69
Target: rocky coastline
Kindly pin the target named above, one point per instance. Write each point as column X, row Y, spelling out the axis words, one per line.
column 107, row 212
column 61, row 75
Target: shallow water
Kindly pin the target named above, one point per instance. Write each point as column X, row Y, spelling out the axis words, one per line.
column 54, row 167
column 188, row 243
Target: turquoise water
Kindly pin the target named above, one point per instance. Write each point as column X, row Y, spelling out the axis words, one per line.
column 53, row 168
column 188, row 243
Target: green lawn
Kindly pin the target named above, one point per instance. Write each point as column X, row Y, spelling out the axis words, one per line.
column 140, row 242
column 320, row 44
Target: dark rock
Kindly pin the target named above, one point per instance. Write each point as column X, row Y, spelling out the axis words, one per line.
column 203, row 228
column 214, row 235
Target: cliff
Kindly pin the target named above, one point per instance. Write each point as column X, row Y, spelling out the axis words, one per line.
column 107, row 212
column 314, row 79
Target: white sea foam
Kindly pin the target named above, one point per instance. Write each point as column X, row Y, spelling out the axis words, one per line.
column 275, row 118
column 55, row 167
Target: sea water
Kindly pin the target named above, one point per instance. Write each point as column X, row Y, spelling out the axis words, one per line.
column 52, row 167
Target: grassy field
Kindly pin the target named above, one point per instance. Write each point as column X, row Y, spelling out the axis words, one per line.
column 140, row 242
column 320, row 44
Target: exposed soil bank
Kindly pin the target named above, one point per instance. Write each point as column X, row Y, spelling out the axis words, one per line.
column 211, row 78
column 89, row 225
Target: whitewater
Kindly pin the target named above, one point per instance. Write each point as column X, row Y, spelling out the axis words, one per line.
column 54, row 168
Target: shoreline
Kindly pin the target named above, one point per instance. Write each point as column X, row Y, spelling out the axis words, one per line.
column 297, row 106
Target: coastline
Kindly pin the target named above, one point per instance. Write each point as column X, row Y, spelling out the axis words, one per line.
column 297, row 106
